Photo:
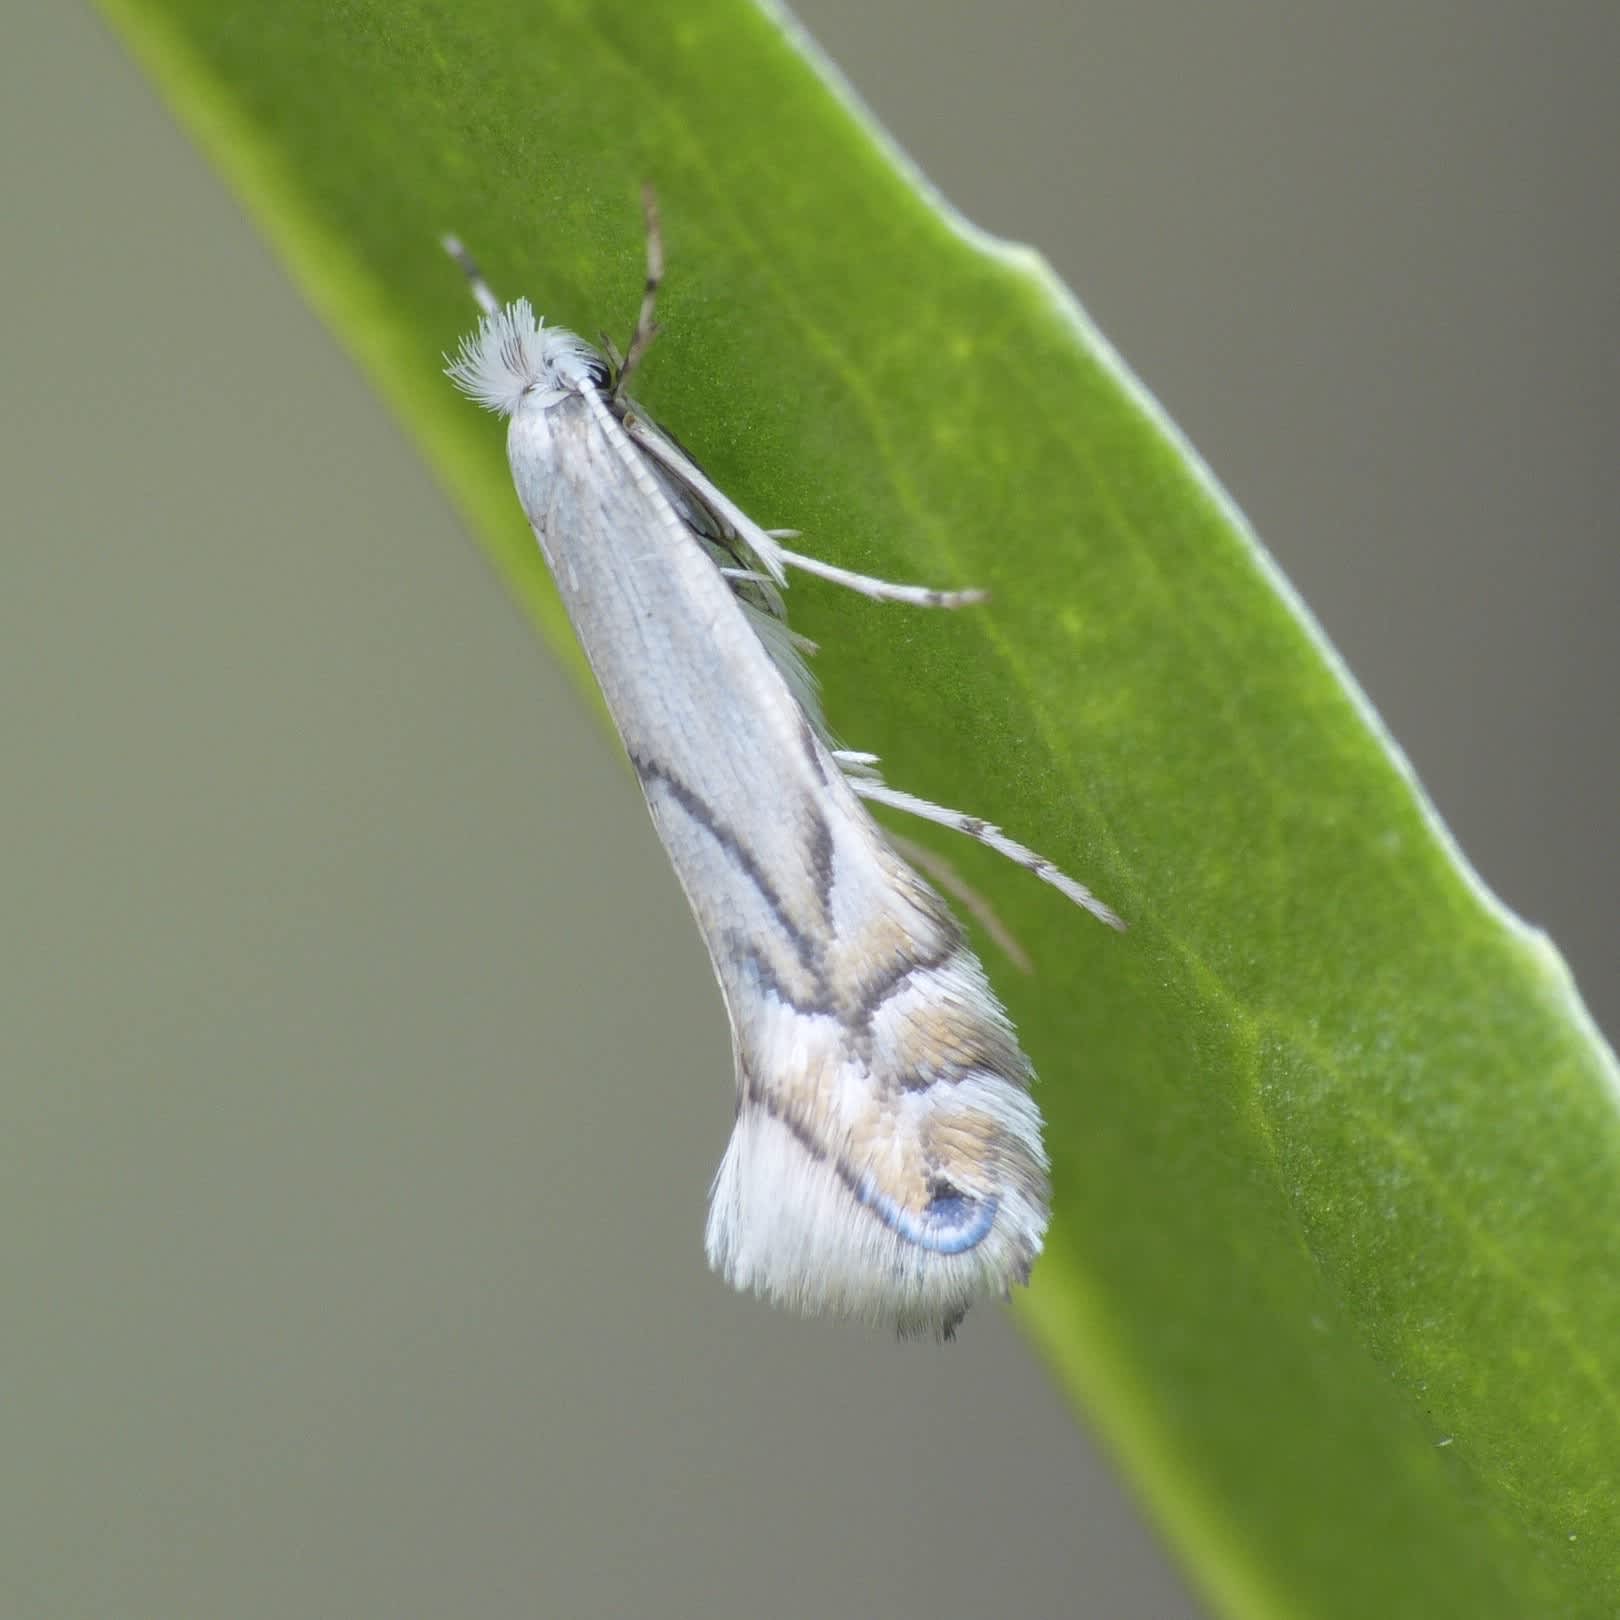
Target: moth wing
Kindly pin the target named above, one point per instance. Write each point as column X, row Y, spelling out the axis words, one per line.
column 759, row 592
column 886, row 1158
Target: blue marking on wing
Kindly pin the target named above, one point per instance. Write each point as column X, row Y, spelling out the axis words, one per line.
column 952, row 1223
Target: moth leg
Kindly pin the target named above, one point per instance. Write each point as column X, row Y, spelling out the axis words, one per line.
column 859, row 773
column 932, row 864
column 879, row 590
column 483, row 293
column 646, row 326
column 774, row 557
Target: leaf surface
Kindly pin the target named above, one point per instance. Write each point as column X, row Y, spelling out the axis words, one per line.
column 1336, row 1147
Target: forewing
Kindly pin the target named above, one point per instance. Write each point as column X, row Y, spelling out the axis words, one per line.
column 886, row 1157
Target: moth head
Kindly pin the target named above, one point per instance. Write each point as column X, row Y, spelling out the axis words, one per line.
column 514, row 361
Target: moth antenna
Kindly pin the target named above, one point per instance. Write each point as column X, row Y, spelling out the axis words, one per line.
column 646, row 326
column 483, row 293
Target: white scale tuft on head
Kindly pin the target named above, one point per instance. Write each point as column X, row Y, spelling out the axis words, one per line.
column 514, row 357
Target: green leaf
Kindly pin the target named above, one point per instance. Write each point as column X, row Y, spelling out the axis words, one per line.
column 1336, row 1147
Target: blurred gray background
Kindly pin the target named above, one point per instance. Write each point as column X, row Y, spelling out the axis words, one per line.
column 316, row 1300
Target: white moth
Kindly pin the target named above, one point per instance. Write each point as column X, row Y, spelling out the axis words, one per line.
column 886, row 1160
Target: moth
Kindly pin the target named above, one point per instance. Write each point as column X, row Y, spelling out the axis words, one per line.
column 886, row 1158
